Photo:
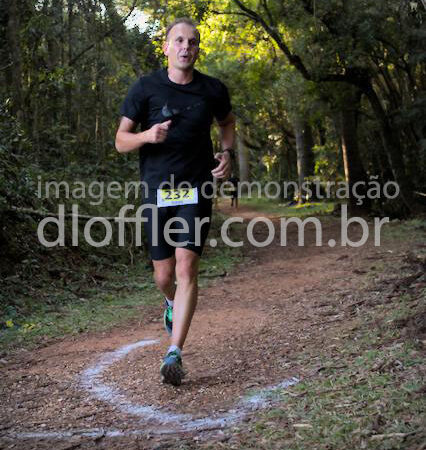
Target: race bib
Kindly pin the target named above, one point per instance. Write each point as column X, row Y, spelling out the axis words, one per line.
column 175, row 197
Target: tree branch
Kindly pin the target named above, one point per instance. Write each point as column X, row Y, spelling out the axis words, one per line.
column 106, row 34
column 272, row 31
column 251, row 145
column 356, row 76
column 265, row 7
column 38, row 213
column 230, row 13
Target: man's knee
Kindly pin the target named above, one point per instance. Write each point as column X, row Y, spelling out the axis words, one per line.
column 164, row 276
column 187, row 267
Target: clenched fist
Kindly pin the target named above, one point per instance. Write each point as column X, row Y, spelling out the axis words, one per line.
column 158, row 132
column 223, row 170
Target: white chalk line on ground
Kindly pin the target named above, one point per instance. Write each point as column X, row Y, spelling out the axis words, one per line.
column 91, row 381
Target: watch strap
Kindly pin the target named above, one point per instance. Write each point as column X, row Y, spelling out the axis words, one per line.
column 231, row 152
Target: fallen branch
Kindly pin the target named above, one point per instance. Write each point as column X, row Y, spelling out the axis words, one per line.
column 213, row 275
column 39, row 213
column 378, row 437
column 420, row 193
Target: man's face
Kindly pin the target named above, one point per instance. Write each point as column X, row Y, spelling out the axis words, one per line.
column 182, row 47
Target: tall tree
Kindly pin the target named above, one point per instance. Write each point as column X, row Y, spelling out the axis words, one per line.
column 345, row 24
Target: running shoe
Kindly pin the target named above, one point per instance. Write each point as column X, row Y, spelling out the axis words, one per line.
column 168, row 318
column 171, row 369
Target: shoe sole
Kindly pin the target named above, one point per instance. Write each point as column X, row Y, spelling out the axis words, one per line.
column 172, row 374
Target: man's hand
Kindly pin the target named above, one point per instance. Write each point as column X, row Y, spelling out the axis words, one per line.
column 223, row 170
column 127, row 140
column 158, row 132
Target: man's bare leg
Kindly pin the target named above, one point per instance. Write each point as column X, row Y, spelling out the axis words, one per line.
column 185, row 301
column 186, row 294
column 164, row 276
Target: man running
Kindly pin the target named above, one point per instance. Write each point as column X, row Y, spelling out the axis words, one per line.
column 234, row 180
column 176, row 107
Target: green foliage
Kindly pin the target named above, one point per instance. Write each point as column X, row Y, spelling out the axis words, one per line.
column 15, row 179
column 86, row 290
column 327, row 162
column 271, row 206
column 67, row 67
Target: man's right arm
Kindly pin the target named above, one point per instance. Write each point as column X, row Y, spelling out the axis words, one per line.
column 126, row 140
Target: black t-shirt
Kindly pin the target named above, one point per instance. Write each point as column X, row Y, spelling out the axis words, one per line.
column 187, row 152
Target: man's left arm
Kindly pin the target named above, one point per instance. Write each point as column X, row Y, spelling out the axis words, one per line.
column 227, row 139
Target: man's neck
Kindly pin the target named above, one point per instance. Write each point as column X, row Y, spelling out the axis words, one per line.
column 180, row 76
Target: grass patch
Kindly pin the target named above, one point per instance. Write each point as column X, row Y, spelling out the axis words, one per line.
column 366, row 390
column 218, row 261
column 367, row 398
column 80, row 292
column 56, row 310
column 276, row 207
column 374, row 402
column 400, row 230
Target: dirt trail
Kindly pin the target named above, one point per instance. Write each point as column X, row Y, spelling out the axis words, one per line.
column 246, row 334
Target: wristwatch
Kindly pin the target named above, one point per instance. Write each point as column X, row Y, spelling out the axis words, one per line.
column 231, row 152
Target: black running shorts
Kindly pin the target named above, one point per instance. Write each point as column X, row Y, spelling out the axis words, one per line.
column 192, row 221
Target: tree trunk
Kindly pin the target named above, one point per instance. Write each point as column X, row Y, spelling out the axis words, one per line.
column 321, row 133
column 15, row 53
column 305, row 156
column 69, row 53
column 243, row 159
column 354, row 170
column 54, row 36
column 309, row 153
column 392, row 146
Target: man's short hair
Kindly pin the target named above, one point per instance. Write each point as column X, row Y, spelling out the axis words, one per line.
column 185, row 20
